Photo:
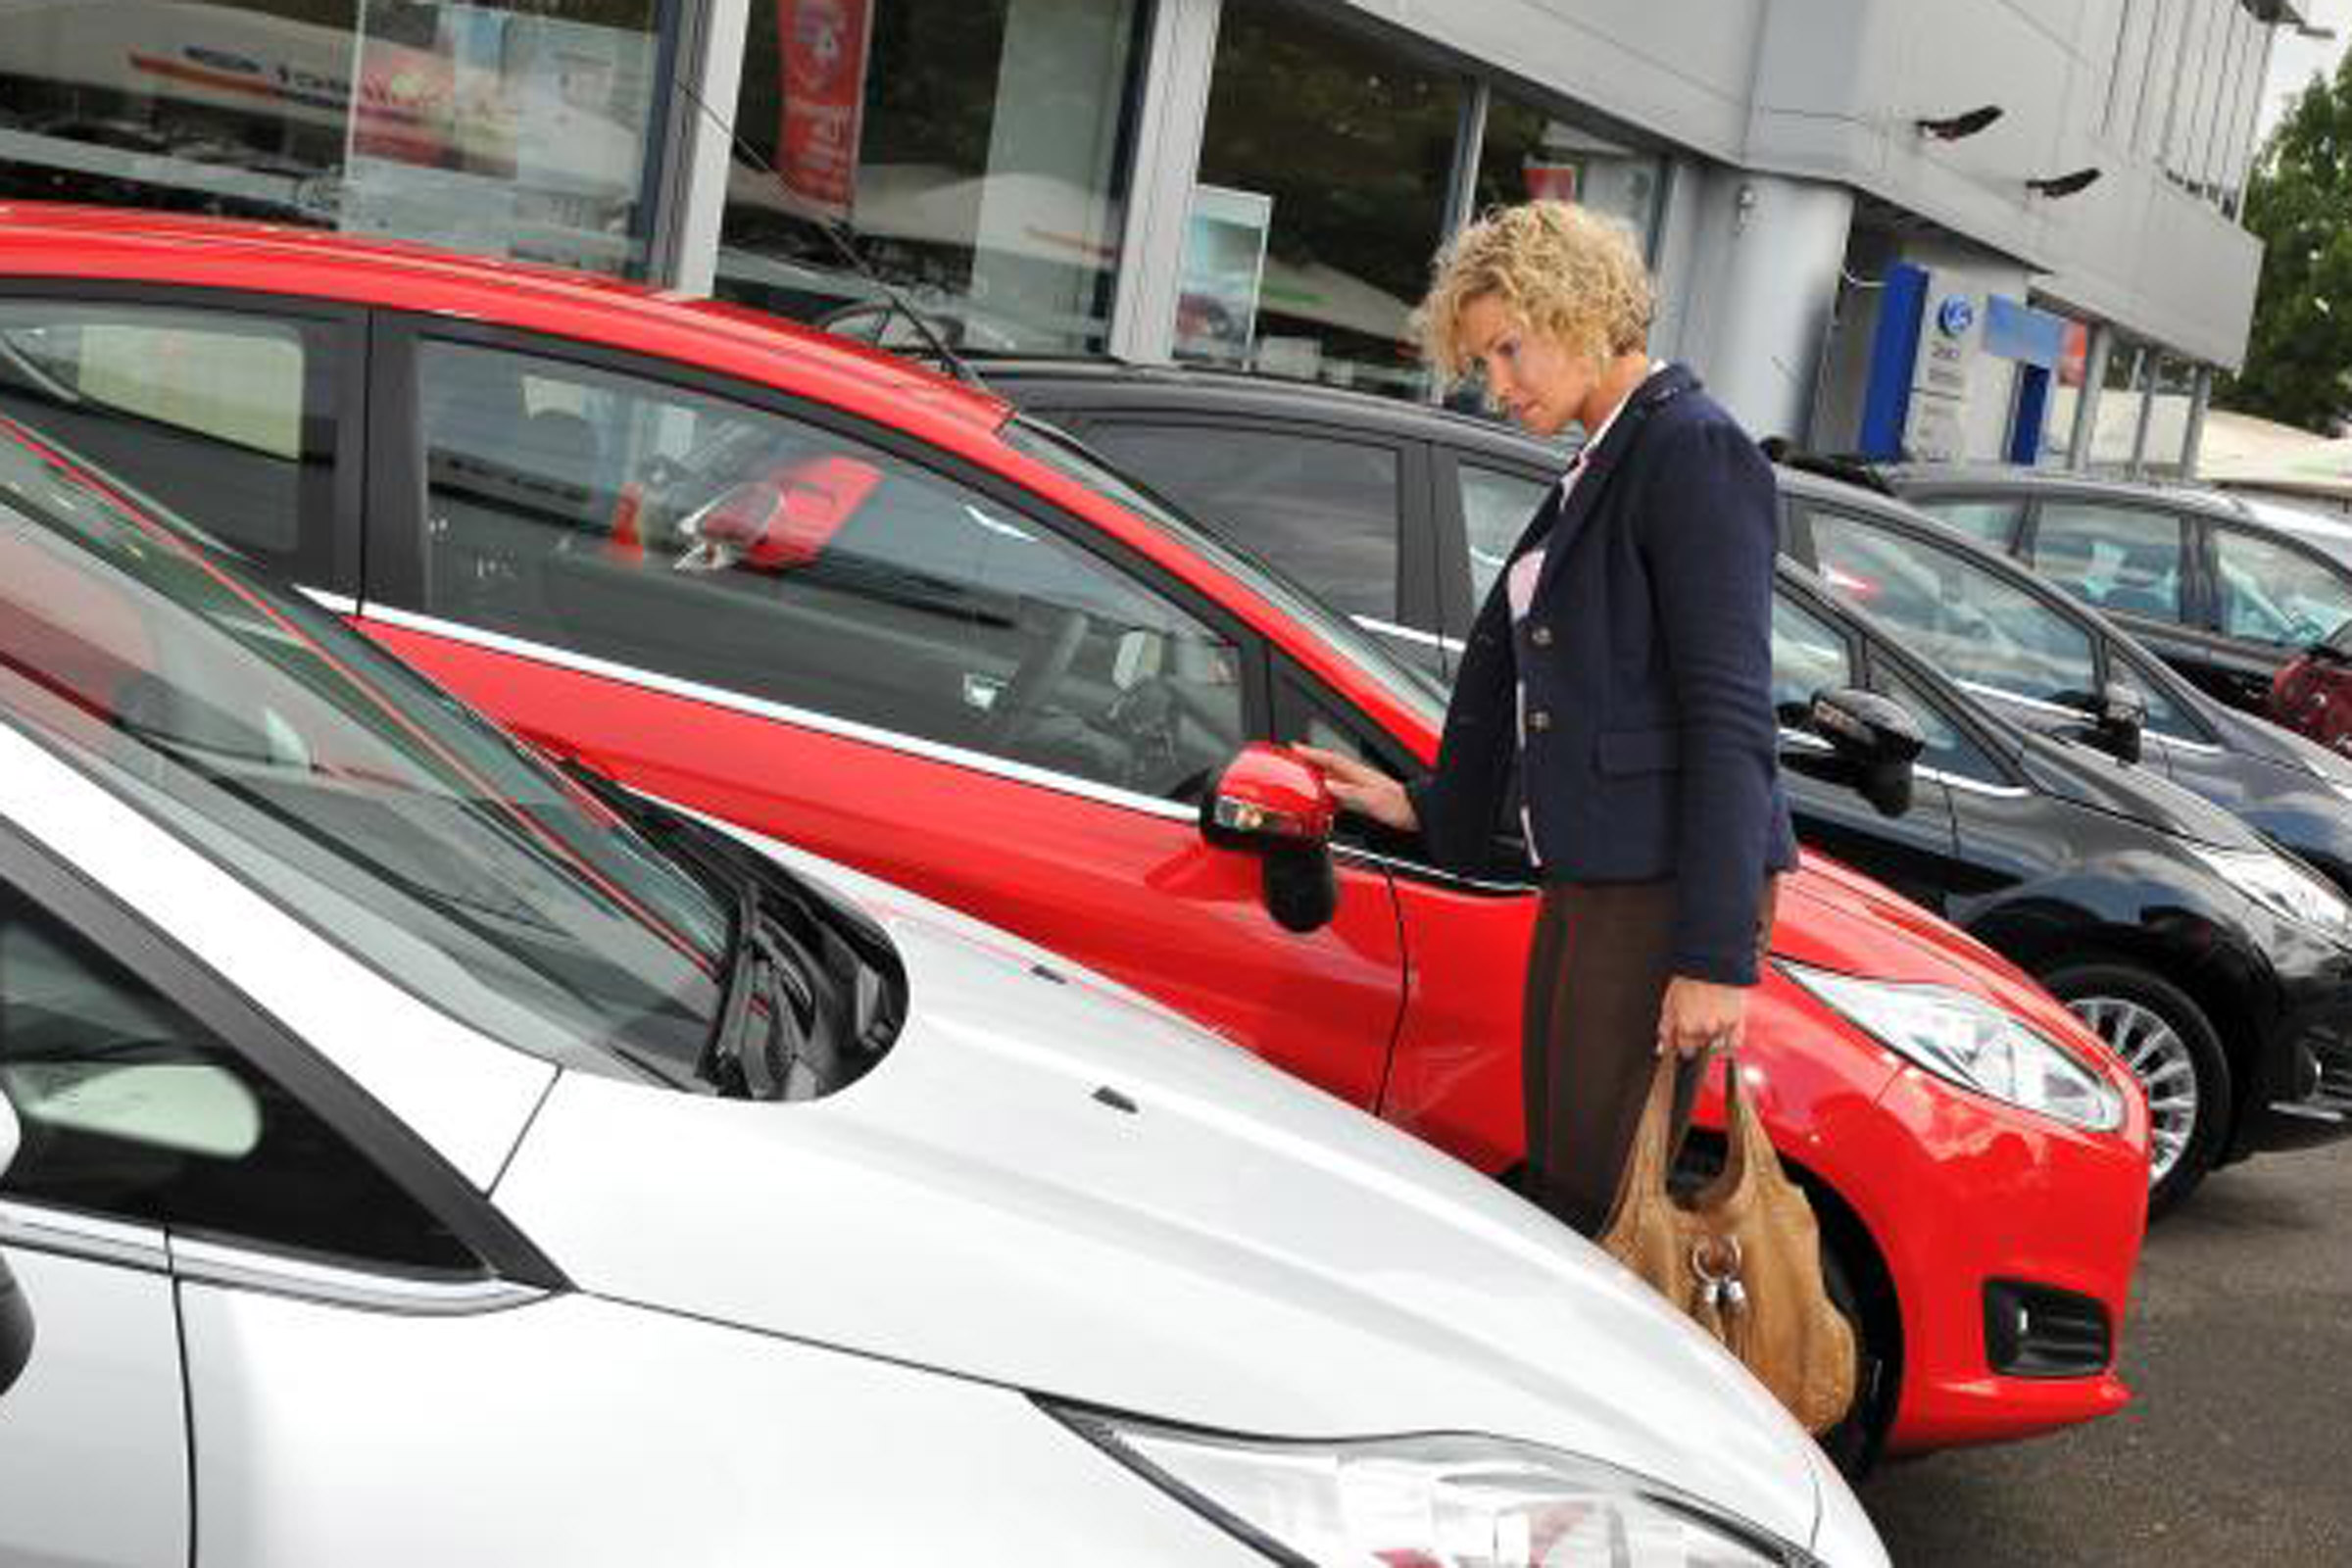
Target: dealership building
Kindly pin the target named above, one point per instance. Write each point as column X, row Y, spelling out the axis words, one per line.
column 1947, row 228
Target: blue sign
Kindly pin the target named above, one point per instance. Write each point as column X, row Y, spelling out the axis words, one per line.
column 1955, row 316
column 2023, row 333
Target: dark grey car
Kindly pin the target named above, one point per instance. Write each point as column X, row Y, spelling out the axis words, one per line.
column 2198, row 575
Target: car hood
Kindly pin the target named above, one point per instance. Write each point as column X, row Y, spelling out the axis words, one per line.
column 1052, row 1184
column 2274, row 743
column 2097, row 781
column 1846, row 923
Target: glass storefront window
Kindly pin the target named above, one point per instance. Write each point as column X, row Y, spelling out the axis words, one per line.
column 501, row 128
column 2121, row 398
column 2066, row 395
column 1528, row 155
column 1326, row 164
column 975, row 150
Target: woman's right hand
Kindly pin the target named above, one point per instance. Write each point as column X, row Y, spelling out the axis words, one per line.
column 1366, row 791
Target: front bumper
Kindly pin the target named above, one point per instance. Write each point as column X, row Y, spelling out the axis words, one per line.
column 2301, row 1094
column 1994, row 1199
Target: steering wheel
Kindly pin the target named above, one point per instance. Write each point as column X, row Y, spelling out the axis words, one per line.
column 1040, row 672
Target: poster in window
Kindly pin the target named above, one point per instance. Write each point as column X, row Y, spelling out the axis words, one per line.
column 1224, row 269
column 1552, row 183
column 824, row 45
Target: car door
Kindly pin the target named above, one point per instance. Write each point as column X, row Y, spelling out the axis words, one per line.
column 826, row 631
column 238, row 413
column 93, row 1439
column 2271, row 599
column 1912, row 852
column 202, row 1206
column 1343, row 513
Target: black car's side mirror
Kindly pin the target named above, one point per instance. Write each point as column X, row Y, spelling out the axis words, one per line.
column 2117, row 721
column 15, row 1314
column 1876, row 740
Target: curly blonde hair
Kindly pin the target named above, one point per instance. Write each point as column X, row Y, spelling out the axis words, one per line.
column 1565, row 270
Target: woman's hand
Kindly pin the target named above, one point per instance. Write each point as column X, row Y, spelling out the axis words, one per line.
column 1366, row 791
column 1699, row 1014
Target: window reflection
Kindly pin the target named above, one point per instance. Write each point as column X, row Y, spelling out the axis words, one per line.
column 975, row 148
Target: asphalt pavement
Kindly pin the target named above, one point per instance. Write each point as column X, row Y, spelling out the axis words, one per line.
column 2235, row 1448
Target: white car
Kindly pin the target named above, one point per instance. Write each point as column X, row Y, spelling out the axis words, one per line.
column 432, row 1157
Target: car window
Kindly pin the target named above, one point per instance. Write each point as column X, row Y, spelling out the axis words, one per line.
column 301, row 757
column 2125, row 560
column 1324, row 511
column 2273, row 593
column 1987, row 521
column 1948, row 747
column 697, row 537
column 225, row 419
column 133, row 1110
column 1808, row 655
column 2165, row 716
column 1959, row 615
column 1496, row 508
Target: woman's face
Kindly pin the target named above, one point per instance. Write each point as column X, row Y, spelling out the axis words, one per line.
column 1542, row 383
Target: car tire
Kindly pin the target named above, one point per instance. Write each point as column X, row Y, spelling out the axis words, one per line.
column 2171, row 1048
column 1853, row 1444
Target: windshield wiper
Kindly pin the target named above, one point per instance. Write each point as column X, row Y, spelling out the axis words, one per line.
column 765, row 1044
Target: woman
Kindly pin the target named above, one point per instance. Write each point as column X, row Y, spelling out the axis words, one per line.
column 1621, row 671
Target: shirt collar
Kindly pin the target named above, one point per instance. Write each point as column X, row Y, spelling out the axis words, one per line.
column 1592, row 441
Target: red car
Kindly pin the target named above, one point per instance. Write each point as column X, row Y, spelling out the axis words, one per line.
column 842, row 601
column 2312, row 693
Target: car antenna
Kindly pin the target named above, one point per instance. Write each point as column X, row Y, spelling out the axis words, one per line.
column 840, row 233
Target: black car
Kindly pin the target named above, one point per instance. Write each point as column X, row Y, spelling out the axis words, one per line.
column 2196, row 575
column 2046, row 660
column 2218, row 967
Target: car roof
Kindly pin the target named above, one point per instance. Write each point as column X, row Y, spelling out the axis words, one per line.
column 1104, row 385
column 1952, row 478
column 56, row 240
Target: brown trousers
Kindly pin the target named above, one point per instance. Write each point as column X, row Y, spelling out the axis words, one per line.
column 1595, row 982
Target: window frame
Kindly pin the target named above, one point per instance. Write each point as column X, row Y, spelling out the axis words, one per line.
column 239, row 1025
column 332, row 564
column 396, row 526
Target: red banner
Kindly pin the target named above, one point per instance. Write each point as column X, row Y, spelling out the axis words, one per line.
column 822, row 44
column 1551, row 183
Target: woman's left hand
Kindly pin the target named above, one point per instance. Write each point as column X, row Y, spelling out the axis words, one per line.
column 1699, row 1014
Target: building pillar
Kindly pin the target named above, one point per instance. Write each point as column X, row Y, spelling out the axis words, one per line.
column 2198, row 398
column 1159, row 196
column 691, row 200
column 2087, row 407
column 1761, row 292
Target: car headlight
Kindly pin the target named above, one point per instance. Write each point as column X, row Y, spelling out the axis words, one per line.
column 1441, row 1501
column 2281, row 887
column 1973, row 1043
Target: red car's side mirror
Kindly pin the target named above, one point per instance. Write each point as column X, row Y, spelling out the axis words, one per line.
column 1271, row 803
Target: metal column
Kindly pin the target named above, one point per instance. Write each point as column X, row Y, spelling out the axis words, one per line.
column 1167, row 162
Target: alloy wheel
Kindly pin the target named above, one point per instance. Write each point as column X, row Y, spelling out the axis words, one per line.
column 2160, row 1059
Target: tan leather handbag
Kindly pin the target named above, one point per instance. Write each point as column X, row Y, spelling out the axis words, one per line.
column 1742, row 1256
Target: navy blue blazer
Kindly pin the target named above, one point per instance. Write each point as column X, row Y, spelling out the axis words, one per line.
column 1646, row 654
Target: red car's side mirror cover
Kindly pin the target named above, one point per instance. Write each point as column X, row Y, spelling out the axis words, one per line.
column 1266, row 797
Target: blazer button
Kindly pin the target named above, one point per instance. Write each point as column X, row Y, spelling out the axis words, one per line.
column 1541, row 636
column 1538, row 720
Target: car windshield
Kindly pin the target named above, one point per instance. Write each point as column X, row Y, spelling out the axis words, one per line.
column 293, row 753
column 1058, row 452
